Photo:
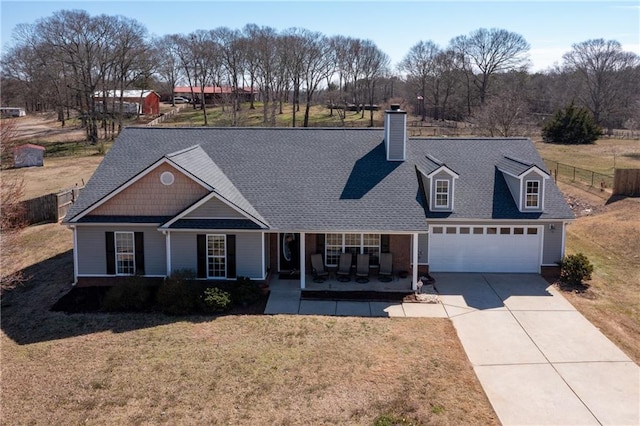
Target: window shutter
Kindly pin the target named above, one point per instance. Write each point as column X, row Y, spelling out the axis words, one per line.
column 320, row 243
column 231, row 256
column 384, row 243
column 139, row 249
column 202, row 256
column 111, row 252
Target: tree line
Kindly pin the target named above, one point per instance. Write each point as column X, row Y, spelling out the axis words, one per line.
column 59, row 62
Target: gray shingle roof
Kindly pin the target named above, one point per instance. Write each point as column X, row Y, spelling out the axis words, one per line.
column 196, row 161
column 329, row 179
column 514, row 166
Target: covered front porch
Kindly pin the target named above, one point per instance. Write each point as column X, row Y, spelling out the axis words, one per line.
column 290, row 256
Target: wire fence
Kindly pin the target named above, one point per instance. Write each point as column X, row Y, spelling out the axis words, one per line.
column 568, row 173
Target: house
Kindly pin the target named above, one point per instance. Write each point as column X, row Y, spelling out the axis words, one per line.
column 135, row 101
column 12, row 112
column 228, row 202
column 28, row 155
column 213, row 94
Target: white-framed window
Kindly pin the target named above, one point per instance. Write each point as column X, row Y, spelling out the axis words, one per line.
column 351, row 243
column 125, row 253
column 442, row 193
column 533, row 194
column 216, row 256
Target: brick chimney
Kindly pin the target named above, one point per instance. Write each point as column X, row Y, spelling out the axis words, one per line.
column 395, row 133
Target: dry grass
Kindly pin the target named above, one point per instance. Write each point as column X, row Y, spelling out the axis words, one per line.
column 598, row 157
column 611, row 241
column 128, row 369
column 58, row 173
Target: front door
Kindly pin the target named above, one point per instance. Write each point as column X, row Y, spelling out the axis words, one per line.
column 289, row 252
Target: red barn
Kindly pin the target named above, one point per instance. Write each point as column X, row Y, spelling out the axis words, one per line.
column 147, row 101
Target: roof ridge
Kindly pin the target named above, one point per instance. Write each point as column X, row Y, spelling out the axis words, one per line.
column 524, row 163
column 182, row 151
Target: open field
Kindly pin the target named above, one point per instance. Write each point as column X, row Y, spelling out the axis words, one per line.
column 218, row 116
column 154, row 369
column 599, row 157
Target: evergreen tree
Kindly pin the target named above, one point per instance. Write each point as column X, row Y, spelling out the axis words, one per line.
column 571, row 126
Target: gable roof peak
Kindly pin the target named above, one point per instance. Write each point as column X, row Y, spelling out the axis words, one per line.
column 183, row 151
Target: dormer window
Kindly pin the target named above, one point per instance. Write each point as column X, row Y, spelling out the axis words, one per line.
column 533, row 194
column 526, row 183
column 442, row 193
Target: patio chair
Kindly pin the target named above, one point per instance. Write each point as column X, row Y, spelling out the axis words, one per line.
column 344, row 267
column 317, row 266
column 362, row 268
column 385, row 273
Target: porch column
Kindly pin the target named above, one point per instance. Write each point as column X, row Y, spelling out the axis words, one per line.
column 414, row 240
column 303, row 262
column 167, row 243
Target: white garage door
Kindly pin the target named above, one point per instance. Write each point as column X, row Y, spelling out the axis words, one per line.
column 485, row 248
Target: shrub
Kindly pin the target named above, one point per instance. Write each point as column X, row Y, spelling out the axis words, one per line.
column 575, row 268
column 571, row 126
column 132, row 295
column 216, row 300
column 244, row 291
column 178, row 295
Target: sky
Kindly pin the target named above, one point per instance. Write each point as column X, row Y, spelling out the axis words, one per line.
column 550, row 27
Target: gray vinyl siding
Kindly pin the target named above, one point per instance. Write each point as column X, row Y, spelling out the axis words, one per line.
column 423, row 249
column 92, row 256
column 552, row 248
column 249, row 255
column 91, row 250
column 396, row 143
column 214, row 208
column 514, row 187
column 184, row 252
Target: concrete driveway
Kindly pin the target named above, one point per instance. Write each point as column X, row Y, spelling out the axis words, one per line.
column 539, row 361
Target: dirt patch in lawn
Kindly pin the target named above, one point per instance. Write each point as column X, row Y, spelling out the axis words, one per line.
column 607, row 231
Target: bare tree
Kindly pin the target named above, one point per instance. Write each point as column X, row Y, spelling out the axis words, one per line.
column 606, row 73
column 165, row 51
column 375, row 65
column 317, row 66
column 420, row 65
column 490, row 51
column 11, row 213
column 231, row 44
column 506, row 113
column 262, row 48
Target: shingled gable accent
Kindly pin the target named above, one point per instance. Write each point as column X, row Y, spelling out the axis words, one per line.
column 164, row 164
column 432, row 171
column 516, row 173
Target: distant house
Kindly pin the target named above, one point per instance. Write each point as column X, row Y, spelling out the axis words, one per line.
column 12, row 112
column 213, row 94
column 146, row 102
column 229, row 202
column 28, row 155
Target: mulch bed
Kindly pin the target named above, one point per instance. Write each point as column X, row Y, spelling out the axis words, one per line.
column 89, row 300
